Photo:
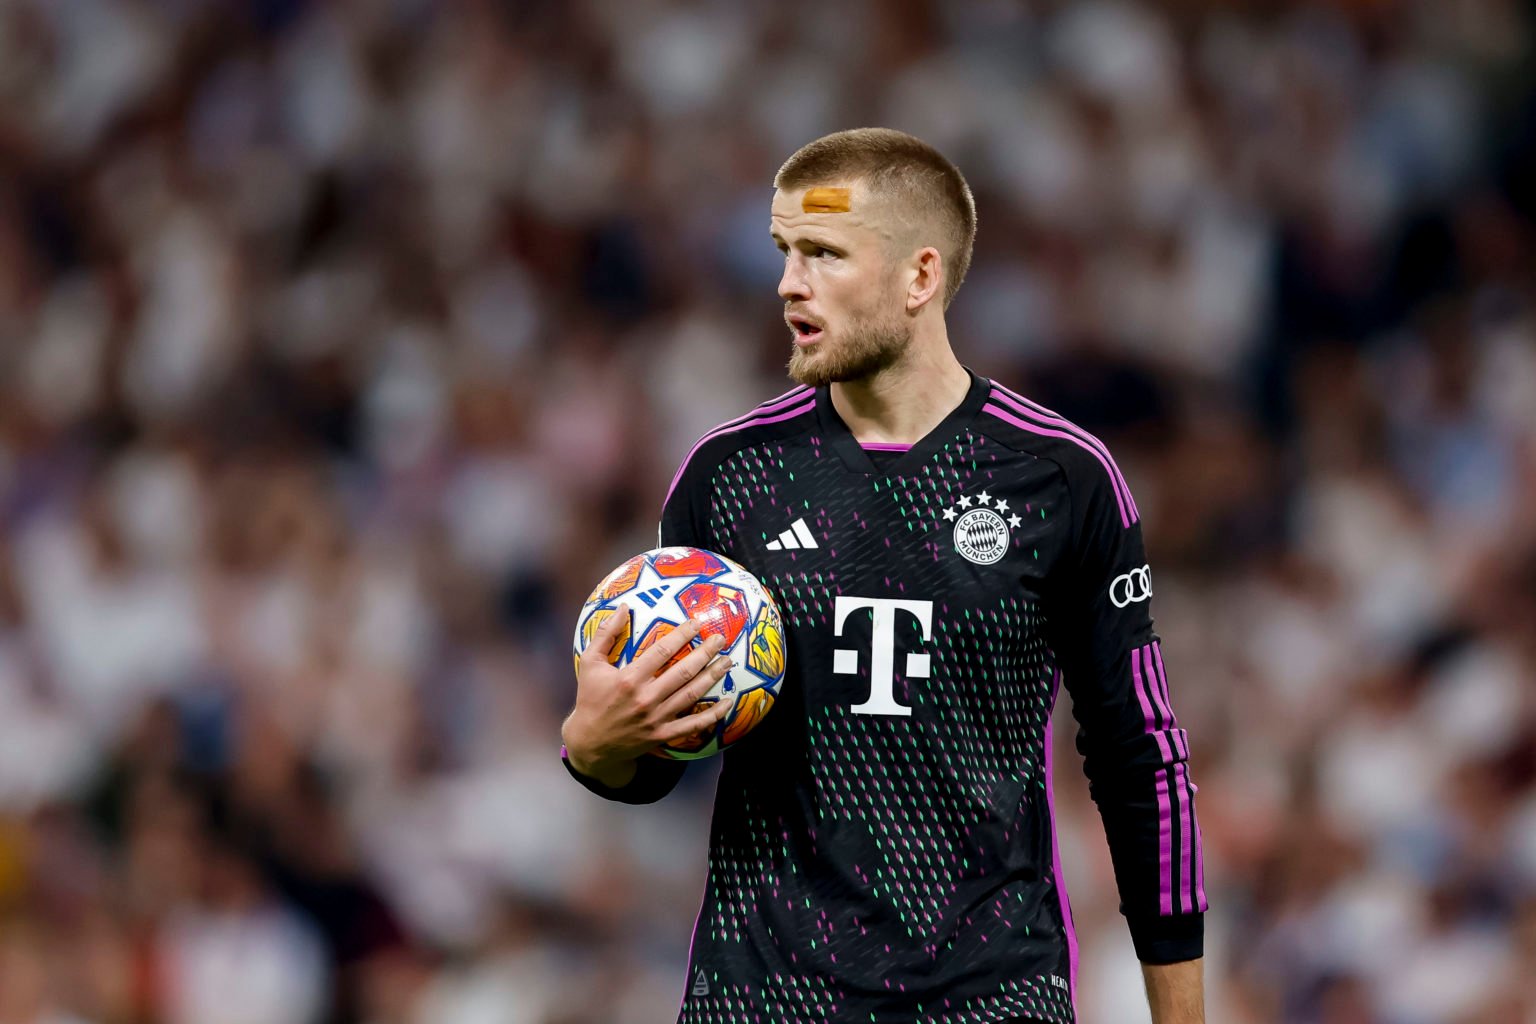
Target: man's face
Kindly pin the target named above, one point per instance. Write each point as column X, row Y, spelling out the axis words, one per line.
column 841, row 288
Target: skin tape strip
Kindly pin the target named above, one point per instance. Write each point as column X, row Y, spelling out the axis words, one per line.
column 827, row 200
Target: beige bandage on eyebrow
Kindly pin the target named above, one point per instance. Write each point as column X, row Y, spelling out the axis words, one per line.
column 827, row 200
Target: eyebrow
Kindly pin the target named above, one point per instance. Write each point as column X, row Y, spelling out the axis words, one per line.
column 808, row 240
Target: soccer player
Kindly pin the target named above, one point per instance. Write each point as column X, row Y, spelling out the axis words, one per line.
column 946, row 554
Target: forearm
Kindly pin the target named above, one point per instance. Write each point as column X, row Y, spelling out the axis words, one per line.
column 1176, row 992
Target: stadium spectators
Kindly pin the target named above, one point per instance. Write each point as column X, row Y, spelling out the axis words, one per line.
column 344, row 346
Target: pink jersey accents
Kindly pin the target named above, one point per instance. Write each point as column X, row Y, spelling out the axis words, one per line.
column 1156, row 650
column 1058, row 426
column 1200, row 900
column 787, row 406
column 1127, row 515
column 1164, row 844
column 1186, row 837
column 1056, row 874
column 1181, row 891
column 1148, row 662
column 1148, row 711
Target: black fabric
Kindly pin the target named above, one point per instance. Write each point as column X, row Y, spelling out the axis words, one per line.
column 1168, row 940
column 882, row 844
column 654, row 778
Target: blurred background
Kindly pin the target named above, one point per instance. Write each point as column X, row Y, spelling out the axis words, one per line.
column 344, row 344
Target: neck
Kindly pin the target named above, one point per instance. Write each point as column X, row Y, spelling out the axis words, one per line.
column 900, row 405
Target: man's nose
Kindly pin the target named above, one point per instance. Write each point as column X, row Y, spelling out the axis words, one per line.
column 793, row 284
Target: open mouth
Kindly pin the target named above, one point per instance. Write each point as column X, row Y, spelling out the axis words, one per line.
column 806, row 331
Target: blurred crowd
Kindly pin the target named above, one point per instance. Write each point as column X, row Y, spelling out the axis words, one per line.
column 344, row 344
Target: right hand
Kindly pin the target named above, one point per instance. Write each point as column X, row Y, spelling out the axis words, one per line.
column 623, row 713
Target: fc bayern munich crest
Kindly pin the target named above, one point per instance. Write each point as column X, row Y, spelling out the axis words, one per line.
column 981, row 532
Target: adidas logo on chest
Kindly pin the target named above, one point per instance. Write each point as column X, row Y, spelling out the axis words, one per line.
column 796, row 538
column 979, row 528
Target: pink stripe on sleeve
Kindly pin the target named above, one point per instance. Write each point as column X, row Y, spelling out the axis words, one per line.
column 1149, row 669
column 1165, row 843
column 1126, row 519
column 1039, row 412
column 1186, row 876
column 753, row 420
column 1162, row 678
column 1138, row 683
column 1199, row 859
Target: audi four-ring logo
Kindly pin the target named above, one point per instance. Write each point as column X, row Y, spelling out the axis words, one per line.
column 1130, row 587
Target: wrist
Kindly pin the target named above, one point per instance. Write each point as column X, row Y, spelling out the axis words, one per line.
column 614, row 773
column 573, row 747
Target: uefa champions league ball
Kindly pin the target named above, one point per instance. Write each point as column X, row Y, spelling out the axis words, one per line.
column 666, row 587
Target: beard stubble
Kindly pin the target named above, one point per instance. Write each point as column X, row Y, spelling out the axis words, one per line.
column 867, row 347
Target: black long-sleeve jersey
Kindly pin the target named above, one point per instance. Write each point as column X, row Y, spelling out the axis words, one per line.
column 883, row 847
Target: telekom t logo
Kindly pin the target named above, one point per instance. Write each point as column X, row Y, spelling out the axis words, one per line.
column 882, row 656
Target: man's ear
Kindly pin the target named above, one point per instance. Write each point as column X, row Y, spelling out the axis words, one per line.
column 928, row 279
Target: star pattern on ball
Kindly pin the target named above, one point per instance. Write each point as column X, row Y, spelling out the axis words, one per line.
column 1014, row 521
column 1002, row 506
column 965, row 501
column 983, row 498
column 950, row 514
column 666, row 603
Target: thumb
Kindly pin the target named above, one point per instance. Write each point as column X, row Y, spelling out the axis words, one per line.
column 607, row 633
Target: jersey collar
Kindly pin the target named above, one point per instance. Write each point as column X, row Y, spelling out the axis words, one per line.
column 857, row 459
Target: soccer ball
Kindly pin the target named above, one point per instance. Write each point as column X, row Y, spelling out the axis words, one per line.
column 666, row 587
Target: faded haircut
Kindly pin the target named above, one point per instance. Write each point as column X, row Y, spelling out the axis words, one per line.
column 927, row 191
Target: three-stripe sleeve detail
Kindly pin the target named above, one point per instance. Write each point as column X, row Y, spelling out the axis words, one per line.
column 1180, row 865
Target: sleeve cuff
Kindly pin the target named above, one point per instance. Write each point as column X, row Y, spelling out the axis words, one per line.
column 654, row 779
column 1168, row 940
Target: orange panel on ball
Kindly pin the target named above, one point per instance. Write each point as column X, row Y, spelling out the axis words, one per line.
column 594, row 623
column 658, row 630
column 689, row 744
column 751, row 707
column 694, row 563
column 623, row 578
column 722, row 610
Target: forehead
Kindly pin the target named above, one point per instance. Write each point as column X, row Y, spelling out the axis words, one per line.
column 797, row 211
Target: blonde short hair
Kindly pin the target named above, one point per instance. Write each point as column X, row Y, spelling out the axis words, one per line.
column 928, row 191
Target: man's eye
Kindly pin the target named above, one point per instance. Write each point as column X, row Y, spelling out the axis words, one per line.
column 822, row 253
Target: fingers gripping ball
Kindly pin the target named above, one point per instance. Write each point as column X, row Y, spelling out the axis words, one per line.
column 666, row 587
column 589, row 628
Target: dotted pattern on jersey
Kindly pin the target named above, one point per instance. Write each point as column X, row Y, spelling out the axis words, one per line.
column 1017, row 998
column 907, row 833
column 780, row 998
column 751, row 475
column 941, row 780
